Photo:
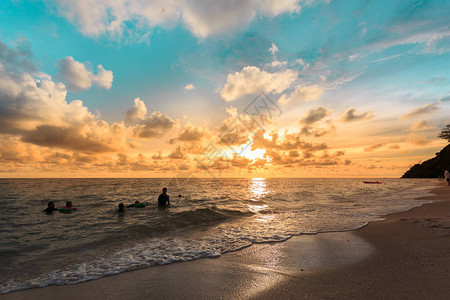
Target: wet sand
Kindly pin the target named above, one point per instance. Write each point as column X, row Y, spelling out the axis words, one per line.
column 407, row 256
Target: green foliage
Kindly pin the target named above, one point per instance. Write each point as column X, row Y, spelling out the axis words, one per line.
column 445, row 133
column 431, row 168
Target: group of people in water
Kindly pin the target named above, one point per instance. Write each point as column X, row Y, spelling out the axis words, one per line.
column 163, row 201
column 67, row 208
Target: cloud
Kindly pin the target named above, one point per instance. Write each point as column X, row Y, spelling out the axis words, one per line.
column 301, row 62
column 309, row 130
column 236, row 129
column 87, row 139
column 157, row 156
column 155, row 125
column 189, row 87
column 136, row 113
column 27, row 101
column 17, row 59
column 292, row 158
column 190, row 134
column 418, row 140
column 350, row 115
column 426, row 109
column 374, row 147
column 421, row 125
column 274, row 49
column 79, row 77
column 203, row 18
column 315, row 115
column 303, row 93
column 429, row 38
column 276, row 63
column 177, row 154
column 287, row 143
column 34, row 109
column 252, row 80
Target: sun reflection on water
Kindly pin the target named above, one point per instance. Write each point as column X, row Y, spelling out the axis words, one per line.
column 258, row 189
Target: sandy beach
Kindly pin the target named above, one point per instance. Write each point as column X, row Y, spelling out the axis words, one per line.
column 405, row 256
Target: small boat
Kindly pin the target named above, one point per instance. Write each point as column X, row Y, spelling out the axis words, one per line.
column 373, row 182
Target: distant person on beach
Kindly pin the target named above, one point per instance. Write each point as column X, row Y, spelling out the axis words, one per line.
column 121, row 207
column 134, row 204
column 163, row 199
column 50, row 207
column 447, row 177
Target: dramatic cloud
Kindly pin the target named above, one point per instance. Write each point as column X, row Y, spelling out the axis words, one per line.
column 315, row 115
column 87, row 139
column 33, row 107
column 303, row 93
column 236, row 129
column 27, row 101
column 155, row 125
column 252, row 80
column 79, row 77
column 421, row 125
column 36, row 109
column 426, row 109
column 203, row 18
column 350, row 115
column 136, row 113
column 190, row 134
column 287, row 143
column 315, row 131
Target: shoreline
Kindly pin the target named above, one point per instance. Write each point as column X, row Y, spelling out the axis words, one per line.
column 391, row 255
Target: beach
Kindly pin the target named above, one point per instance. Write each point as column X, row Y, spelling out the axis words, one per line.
column 403, row 257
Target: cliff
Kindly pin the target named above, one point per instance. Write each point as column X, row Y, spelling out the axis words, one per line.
column 431, row 168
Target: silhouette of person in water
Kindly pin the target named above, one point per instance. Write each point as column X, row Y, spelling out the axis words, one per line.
column 447, row 177
column 134, row 204
column 50, row 207
column 163, row 199
column 69, row 206
column 121, row 207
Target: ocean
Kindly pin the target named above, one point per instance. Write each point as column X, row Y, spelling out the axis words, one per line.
column 211, row 217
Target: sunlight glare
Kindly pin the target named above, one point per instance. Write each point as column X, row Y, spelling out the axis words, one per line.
column 253, row 155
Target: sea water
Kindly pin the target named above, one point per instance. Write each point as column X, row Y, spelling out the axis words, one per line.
column 211, row 217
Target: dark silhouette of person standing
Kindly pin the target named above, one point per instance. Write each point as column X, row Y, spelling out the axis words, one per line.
column 163, row 199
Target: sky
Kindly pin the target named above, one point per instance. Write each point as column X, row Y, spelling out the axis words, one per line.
column 250, row 88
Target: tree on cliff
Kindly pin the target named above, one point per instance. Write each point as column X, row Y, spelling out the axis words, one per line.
column 434, row 167
column 445, row 133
